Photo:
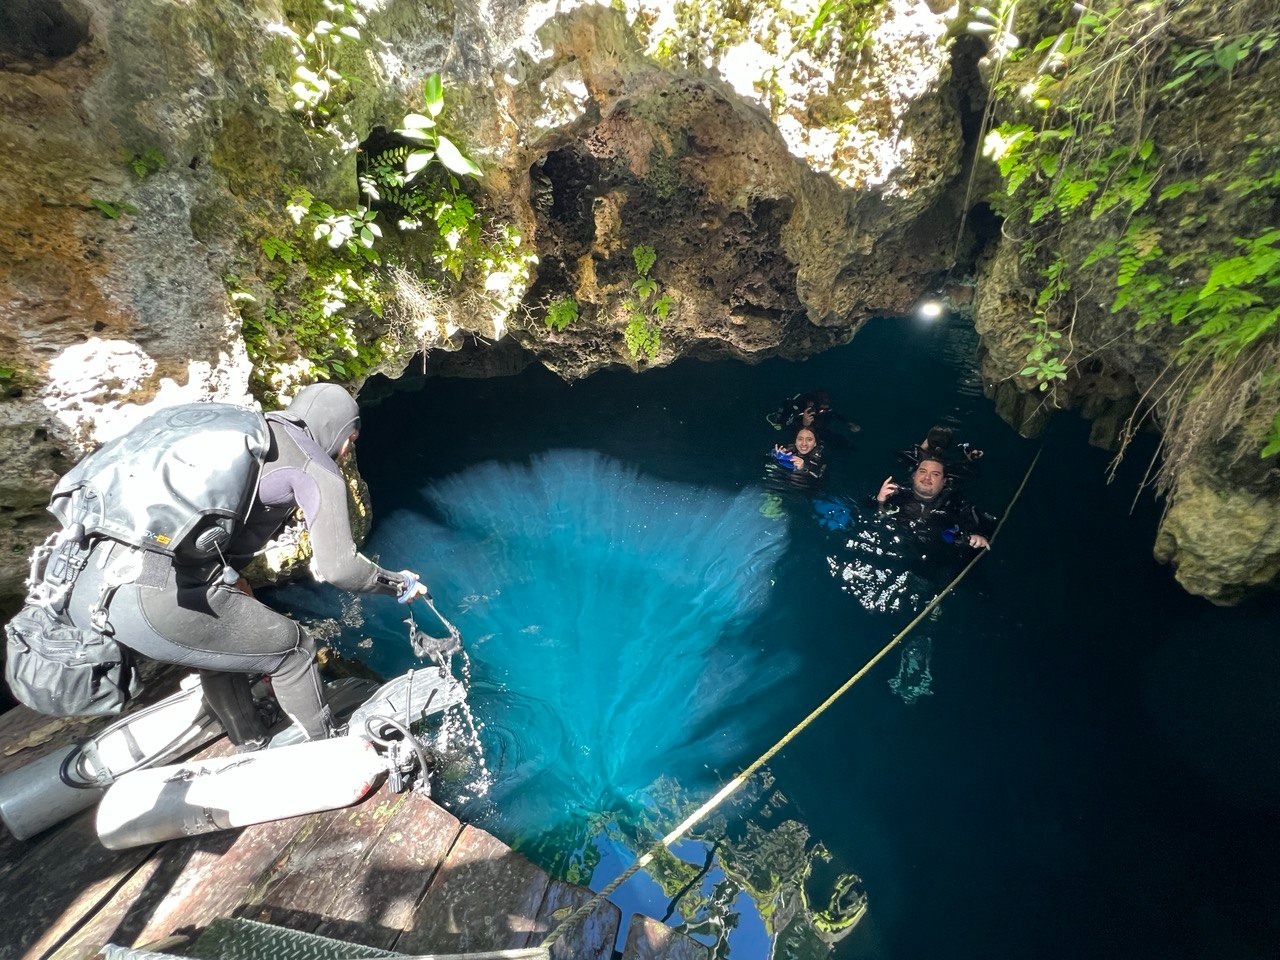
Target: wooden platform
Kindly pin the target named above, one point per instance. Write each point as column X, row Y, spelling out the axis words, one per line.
column 396, row 872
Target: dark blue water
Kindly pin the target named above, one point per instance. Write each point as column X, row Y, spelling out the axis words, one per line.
column 1073, row 758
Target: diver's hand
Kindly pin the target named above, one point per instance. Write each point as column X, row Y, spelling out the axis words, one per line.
column 979, row 542
column 412, row 588
column 972, row 454
column 797, row 462
column 887, row 490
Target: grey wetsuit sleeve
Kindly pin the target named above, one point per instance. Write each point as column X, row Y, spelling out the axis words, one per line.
column 335, row 558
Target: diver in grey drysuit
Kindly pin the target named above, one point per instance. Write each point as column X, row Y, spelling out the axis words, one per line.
column 186, row 612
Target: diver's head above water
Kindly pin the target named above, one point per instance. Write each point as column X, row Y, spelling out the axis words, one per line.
column 805, row 441
column 929, row 478
column 328, row 414
column 937, row 441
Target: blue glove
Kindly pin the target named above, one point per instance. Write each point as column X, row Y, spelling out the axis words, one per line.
column 784, row 459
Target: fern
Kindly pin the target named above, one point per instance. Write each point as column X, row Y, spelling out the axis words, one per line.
column 1261, row 260
column 1074, row 193
column 644, row 258
column 642, row 337
column 1175, row 190
column 1273, row 439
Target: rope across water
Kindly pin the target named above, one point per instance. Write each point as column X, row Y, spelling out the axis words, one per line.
column 737, row 782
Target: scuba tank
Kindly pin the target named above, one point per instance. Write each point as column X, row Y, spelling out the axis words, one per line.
column 60, row 785
column 289, row 780
column 165, row 803
column 47, row 791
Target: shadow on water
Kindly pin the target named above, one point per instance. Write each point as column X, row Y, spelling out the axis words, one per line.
column 1076, row 758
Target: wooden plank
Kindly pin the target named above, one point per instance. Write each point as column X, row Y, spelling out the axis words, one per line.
column 185, row 885
column 650, row 940
column 63, row 879
column 376, row 907
column 222, row 873
column 593, row 936
column 485, row 896
column 129, row 900
column 26, row 735
column 131, row 904
column 302, row 889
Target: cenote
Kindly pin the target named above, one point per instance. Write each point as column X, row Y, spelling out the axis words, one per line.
column 1072, row 758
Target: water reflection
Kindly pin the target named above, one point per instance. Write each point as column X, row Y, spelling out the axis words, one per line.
column 742, row 883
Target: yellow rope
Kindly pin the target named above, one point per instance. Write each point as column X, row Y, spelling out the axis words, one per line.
column 733, row 785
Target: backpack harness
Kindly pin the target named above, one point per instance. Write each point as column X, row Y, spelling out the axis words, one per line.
column 176, row 487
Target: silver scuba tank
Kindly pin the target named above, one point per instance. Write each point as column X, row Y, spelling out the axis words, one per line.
column 291, row 778
column 60, row 785
column 202, row 796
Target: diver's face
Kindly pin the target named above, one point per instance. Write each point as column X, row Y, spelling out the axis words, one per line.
column 805, row 442
column 928, row 479
column 345, row 450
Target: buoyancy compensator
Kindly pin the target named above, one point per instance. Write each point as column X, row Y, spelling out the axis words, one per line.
column 176, row 486
column 180, row 472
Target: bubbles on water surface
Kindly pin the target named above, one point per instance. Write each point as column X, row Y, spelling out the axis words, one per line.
column 613, row 608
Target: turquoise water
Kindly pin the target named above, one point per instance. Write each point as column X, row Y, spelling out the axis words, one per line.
column 1072, row 758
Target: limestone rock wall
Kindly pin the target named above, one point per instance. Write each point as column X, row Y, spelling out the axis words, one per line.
column 789, row 190
column 1223, row 507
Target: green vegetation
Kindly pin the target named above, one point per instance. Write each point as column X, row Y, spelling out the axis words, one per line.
column 646, row 308
column 113, row 209
column 845, row 23
column 334, row 296
column 319, row 87
column 325, row 267
column 1205, row 65
column 1084, row 159
column 147, row 162
column 838, row 32
column 13, row 380
column 561, row 313
column 703, row 29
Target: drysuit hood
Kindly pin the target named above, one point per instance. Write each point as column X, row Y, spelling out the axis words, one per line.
column 326, row 412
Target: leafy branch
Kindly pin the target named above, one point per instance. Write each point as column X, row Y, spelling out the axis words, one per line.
column 646, row 308
column 561, row 313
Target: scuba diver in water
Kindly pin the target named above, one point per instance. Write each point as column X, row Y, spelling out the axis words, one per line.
column 933, row 512
column 812, row 410
column 961, row 458
column 800, row 463
column 188, row 604
column 941, row 529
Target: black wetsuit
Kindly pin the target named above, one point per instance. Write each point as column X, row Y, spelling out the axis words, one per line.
column 807, row 475
column 941, row 525
column 825, row 422
column 184, row 613
column 956, row 457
